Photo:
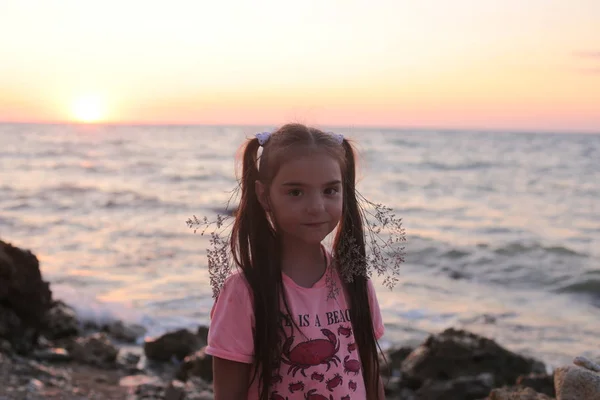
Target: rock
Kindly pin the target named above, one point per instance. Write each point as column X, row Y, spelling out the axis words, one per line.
column 34, row 386
column 461, row 388
column 175, row 391
column 197, row 389
column 178, row 344
column 95, row 350
column 125, row 333
column 202, row 333
column 9, row 322
column 391, row 384
column 541, row 383
column 517, row 393
column 128, row 361
column 5, row 346
column 573, row 382
column 52, row 355
column 60, row 321
column 393, row 361
column 586, row 363
column 457, row 353
column 149, row 390
column 24, row 292
column 198, row 364
column 133, row 381
column 21, row 339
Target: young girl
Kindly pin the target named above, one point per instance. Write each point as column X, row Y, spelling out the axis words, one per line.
column 297, row 322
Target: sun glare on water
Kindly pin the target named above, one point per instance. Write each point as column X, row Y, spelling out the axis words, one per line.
column 88, row 109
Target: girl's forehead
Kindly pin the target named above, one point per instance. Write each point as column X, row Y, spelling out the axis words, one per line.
column 316, row 168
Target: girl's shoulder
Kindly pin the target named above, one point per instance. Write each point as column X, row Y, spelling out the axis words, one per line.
column 237, row 283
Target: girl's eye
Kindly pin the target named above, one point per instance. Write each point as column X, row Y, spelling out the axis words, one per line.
column 295, row 192
column 331, row 191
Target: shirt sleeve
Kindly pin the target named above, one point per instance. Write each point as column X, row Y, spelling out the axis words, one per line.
column 375, row 311
column 230, row 335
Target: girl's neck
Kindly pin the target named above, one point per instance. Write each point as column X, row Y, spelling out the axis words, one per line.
column 304, row 263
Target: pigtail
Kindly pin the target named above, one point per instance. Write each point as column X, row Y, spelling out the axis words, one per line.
column 350, row 252
column 255, row 251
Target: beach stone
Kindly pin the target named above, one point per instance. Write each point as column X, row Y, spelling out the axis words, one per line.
column 393, row 361
column 128, row 333
column 391, row 384
column 586, row 363
column 52, row 355
column 573, row 382
column 178, row 344
column 60, row 321
column 150, row 390
column 541, row 383
column 175, row 391
column 198, row 364
column 9, row 323
column 95, row 350
column 25, row 293
column 128, row 361
column 34, row 386
column 457, row 353
column 461, row 388
column 202, row 333
column 517, row 393
column 198, row 389
column 5, row 346
column 133, row 381
column 402, row 394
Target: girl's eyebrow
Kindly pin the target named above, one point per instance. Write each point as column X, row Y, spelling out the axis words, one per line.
column 332, row 183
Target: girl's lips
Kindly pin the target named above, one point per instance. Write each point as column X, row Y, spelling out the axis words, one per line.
column 316, row 224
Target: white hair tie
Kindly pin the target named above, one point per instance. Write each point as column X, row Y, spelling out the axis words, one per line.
column 263, row 137
column 339, row 138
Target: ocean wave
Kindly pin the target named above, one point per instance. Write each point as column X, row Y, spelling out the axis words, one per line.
column 457, row 167
column 584, row 286
column 90, row 309
column 516, row 248
column 190, row 178
column 404, row 143
column 68, row 189
column 69, row 196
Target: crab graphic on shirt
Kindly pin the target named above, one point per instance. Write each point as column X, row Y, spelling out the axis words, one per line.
column 311, row 353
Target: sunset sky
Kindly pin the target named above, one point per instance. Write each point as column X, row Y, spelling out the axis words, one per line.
column 509, row 64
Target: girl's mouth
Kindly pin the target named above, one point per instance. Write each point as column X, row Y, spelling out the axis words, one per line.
column 315, row 225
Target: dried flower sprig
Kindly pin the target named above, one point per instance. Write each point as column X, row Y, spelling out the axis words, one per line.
column 384, row 253
column 220, row 263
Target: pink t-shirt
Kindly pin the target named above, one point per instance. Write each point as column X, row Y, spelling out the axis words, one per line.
column 321, row 362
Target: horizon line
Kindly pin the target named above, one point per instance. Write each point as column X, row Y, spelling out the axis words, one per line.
column 352, row 126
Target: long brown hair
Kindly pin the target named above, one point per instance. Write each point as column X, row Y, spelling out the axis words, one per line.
column 257, row 252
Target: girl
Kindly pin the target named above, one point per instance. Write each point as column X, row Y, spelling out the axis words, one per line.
column 297, row 322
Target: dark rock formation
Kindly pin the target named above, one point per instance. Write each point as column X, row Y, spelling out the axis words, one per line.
column 24, row 294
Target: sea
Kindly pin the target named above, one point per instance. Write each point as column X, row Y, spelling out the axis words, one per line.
column 502, row 228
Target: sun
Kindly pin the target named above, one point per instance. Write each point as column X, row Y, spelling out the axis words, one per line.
column 88, row 109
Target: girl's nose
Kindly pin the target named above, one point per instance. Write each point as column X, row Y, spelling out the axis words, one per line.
column 316, row 205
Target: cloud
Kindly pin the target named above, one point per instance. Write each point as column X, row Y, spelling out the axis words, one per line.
column 588, row 54
column 591, row 71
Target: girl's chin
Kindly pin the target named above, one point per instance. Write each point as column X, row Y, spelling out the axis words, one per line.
column 314, row 238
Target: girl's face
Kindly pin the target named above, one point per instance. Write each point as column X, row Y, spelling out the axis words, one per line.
column 305, row 197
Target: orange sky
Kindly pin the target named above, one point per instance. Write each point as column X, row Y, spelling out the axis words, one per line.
column 451, row 64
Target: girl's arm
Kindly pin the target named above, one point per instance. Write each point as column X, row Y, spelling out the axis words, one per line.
column 231, row 379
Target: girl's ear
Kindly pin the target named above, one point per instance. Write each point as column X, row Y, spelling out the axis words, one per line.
column 261, row 193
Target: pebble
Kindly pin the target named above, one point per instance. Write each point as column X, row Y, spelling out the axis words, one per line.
column 34, row 386
column 586, row 363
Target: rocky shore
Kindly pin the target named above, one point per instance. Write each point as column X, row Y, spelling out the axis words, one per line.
column 46, row 352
